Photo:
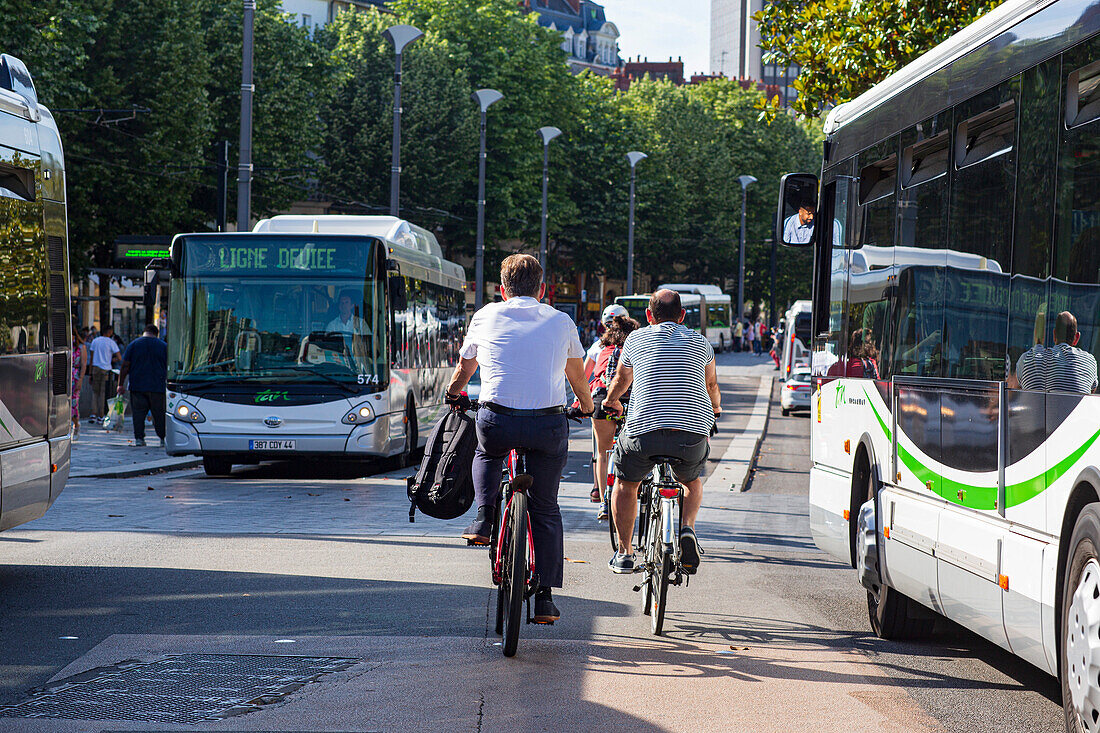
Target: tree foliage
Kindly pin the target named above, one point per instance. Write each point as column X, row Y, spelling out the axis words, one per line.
column 844, row 47
column 323, row 120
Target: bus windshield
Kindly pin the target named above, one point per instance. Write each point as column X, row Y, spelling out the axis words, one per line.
column 258, row 322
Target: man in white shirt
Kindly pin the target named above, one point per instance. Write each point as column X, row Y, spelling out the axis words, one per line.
column 526, row 350
column 799, row 228
column 346, row 321
column 105, row 353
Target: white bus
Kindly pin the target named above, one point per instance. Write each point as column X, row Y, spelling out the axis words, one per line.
column 310, row 337
column 958, row 216
column 796, row 338
column 35, row 332
column 707, row 310
column 716, row 311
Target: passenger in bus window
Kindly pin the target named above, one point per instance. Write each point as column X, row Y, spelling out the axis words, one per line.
column 1071, row 369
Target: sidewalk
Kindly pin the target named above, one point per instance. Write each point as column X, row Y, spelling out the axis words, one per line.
column 98, row 453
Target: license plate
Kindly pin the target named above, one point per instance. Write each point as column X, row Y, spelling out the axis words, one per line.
column 271, row 445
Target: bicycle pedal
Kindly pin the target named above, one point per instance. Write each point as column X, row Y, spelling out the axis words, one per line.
column 637, row 588
column 475, row 543
column 541, row 623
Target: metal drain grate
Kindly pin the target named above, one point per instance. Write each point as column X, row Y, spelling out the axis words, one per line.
column 180, row 688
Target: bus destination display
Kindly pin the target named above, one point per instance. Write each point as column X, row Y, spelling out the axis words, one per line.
column 283, row 256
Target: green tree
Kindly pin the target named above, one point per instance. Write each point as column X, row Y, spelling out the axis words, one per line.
column 132, row 176
column 844, row 47
column 438, row 126
column 292, row 74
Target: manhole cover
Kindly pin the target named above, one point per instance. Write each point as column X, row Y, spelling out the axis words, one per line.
column 179, row 688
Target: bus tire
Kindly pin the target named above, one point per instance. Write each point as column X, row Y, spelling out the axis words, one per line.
column 893, row 615
column 408, row 454
column 1081, row 593
column 217, row 465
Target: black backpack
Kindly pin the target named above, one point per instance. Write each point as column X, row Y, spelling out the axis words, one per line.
column 444, row 487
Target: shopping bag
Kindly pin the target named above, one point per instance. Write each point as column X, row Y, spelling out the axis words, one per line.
column 116, row 414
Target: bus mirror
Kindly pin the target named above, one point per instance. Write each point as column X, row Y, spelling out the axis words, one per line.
column 794, row 221
column 398, row 299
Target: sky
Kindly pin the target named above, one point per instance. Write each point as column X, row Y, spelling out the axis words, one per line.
column 662, row 28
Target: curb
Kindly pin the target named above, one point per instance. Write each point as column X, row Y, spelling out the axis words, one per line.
column 143, row 469
column 746, row 482
column 735, row 465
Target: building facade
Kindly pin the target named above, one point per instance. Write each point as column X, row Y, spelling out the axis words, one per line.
column 312, row 14
column 735, row 47
column 589, row 39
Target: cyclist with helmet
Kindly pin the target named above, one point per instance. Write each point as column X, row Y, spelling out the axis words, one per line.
column 603, row 428
column 590, row 358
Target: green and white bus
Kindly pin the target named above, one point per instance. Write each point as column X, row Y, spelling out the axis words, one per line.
column 958, row 216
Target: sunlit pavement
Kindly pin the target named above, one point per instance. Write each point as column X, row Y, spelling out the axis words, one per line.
column 318, row 560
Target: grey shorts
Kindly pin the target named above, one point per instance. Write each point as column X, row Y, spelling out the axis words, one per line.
column 634, row 454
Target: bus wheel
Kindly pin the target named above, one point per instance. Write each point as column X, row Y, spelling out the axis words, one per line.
column 1080, row 673
column 217, row 465
column 408, row 455
column 893, row 615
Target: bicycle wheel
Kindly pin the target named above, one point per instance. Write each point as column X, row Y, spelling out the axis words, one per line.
column 515, row 573
column 658, row 581
column 499, row 627
column 648, row 529
column 611, row 521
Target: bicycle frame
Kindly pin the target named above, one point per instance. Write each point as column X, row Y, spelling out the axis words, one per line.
column 515, row 464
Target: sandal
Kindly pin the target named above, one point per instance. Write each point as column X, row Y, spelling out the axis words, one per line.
column 594, row 496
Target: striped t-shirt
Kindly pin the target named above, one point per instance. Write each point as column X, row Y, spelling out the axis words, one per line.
column 669, row 391
column 1061, row 368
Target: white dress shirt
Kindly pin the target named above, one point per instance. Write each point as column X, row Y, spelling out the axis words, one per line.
column 521, row 346
column 795, row 232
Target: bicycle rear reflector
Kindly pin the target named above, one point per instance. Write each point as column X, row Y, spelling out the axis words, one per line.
column 669, row 492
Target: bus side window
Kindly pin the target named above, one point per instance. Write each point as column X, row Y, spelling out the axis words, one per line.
column 1075, row 286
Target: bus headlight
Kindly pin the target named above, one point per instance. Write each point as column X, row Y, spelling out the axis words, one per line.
column 359, row 415
column 188, row 413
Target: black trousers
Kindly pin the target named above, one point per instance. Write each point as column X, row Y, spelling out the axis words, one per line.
column 141, row 404
column 546, row 441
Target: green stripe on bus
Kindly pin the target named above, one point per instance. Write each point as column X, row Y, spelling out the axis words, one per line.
column 983, row 497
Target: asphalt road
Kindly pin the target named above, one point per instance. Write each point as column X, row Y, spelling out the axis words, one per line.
column 296, row 558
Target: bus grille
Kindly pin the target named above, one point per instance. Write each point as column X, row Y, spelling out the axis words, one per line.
column 55, row 245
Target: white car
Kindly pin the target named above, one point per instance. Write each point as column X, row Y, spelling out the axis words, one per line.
column 795, row 393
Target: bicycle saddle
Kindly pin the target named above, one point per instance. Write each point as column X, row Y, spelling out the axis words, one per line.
column 670, row 460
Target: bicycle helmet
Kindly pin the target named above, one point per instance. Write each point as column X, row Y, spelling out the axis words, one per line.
column 611, row 311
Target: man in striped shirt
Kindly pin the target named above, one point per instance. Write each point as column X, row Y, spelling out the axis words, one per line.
column 673, row 407
column 1061, row 368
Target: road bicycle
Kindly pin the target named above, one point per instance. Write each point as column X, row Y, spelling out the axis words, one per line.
column 660, row 514
column 512, row 550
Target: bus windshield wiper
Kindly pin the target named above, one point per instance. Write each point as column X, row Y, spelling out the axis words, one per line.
column 327, row 377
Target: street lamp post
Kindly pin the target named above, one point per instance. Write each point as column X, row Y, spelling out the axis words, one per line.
column 244, row 167
column 484, row 98
column 745, row 182
column 400, row 36
column 634, row 157
column 546, row 134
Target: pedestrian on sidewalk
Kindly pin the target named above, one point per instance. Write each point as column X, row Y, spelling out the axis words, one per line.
column 80, row 368
column 738, row 333
column 750, row 335
column 105, row 354
column 146, row 363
